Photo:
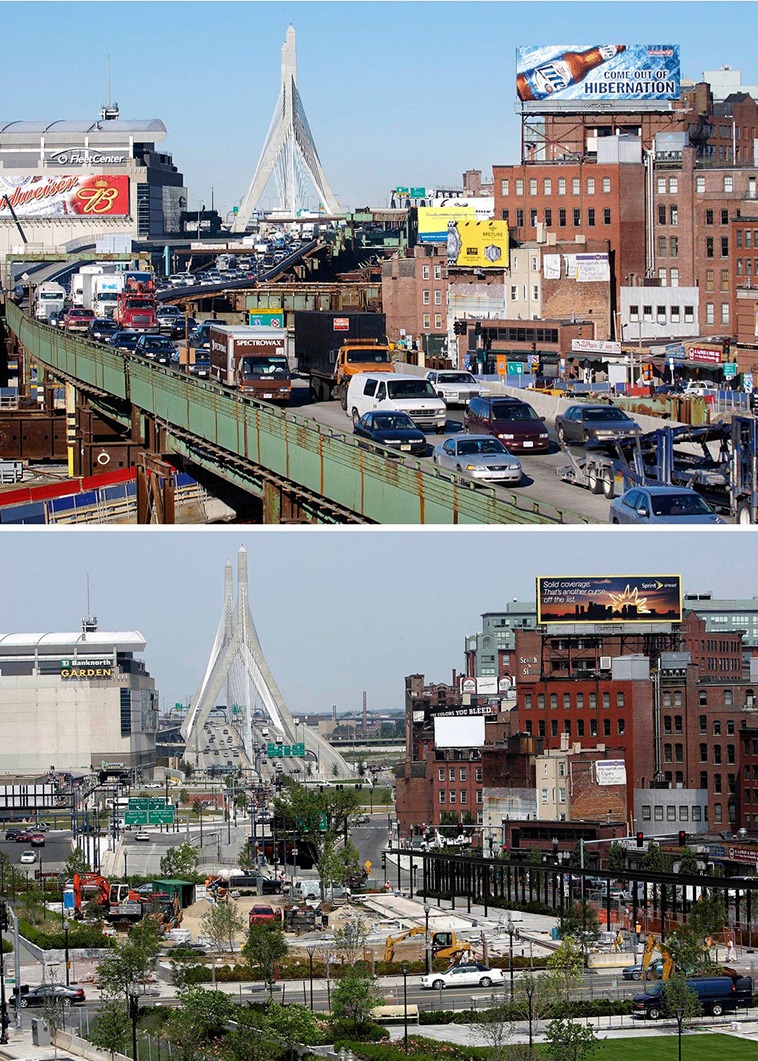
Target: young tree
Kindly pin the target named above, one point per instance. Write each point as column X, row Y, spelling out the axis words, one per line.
column 110, row 1029
column 495, row 1024
column 354, row 998
column 265, row 946
column 682, row 1003
column 179, row 861
column 76, row 863
column 616, row 858
column 568, row 1040
column 688, row 862
column 580, row 921
column 247, row 860
column 654, row 859
column 350, row 939
column 533, row 999
column 126, row 968
column 223, row 923
column 565, row 965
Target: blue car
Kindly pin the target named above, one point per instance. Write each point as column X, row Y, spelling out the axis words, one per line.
column 644, row 505
column 393, row 429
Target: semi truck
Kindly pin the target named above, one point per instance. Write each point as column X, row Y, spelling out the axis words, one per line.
column 105, row 291
column 48, row 298
column 252, row 360
column 135, row 305
column 332, row 347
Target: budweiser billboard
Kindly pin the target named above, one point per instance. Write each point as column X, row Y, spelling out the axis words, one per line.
column 64, row 195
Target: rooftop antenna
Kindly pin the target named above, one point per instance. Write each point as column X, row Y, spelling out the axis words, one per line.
column 89, row 622
column 109, row 110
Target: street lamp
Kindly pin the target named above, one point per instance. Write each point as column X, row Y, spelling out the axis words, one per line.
column 134, row 1014
column 404, row 968
column 427, row 908
column 509, row 926
column 310, row 950
column 4, row 1022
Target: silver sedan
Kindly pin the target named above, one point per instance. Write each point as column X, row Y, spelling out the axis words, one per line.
column 479, row 456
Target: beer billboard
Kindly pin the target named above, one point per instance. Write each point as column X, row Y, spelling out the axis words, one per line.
column 610, row 599
column 478, row 244
column 434, row 222
column 62, row 195
column 597, row 73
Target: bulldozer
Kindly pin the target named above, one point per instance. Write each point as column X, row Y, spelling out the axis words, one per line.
column 443, row 944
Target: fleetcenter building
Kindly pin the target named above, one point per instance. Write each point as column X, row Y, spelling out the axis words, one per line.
column 74, row 701
column 70, row 185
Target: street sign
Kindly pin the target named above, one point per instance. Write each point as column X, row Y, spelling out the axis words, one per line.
column 285, row 751
column 138, row 803
column 161, row 816
column 730, row 370
column 135, row 817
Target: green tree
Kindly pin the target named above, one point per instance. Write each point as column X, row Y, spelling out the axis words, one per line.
column 448, row 822
column 495, row 1024
column 688, row 862
column 565, row 966
column 76, row 863
column 242, row 801
column 265, row 946
column 223, row 923
column 682, row 1003
column 687, row 943
column 350, row 939
column 187, row 769
column 616, row 858
column 580, row 921
column 354, row 998
column 654, row 859
column 127, row 966
column 110, row 1029
column 568, row 1040
column 247, row 860
column 534, row 857
column 198, row 1023
column 533, row 998
column 321, row 818
column 179, row 862
column 183, row 797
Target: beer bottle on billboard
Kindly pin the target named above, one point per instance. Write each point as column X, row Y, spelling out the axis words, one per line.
column 553, row 77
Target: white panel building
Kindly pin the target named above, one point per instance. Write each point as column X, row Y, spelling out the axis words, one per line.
column 73, row 701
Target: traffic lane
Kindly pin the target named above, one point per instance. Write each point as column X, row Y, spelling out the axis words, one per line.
column 540, row 482
column 52, row 856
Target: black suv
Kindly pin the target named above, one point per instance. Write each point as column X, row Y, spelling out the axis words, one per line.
column 13, row 832
column 157, row 348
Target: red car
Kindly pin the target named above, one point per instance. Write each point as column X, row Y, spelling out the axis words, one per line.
column 78, row 320
column 262, row 914
column 37, row 840
column 24, row 837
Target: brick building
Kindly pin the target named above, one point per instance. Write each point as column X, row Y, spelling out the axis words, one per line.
column 414, row 296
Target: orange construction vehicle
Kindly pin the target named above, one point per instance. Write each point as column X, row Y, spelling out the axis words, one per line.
column 118, row 901
column 444, row 944
column 651, row 946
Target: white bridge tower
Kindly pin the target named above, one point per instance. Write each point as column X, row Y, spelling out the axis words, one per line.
column 289, row 153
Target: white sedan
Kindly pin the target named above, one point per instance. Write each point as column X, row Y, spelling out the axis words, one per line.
column 454, row 387
column 28, row 857
column 479, row 456
column 471, row 974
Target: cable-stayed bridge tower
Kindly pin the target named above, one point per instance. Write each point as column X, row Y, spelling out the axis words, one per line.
column 237, row 662
column 289, row 153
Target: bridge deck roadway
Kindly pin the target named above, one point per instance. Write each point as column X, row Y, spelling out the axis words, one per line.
column 247, row 442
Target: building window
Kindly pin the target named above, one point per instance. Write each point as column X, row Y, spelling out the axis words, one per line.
column 724, row 217
column 718, row 813
column 674, row 274
column 438, row 272
column 724, row 312
column 646, row 813
column 519, row 218
column 479, row 796
column 670, row 813
column 126, row 712
column 709, row 217
column 730, row 753
column 533, row 218
column 505, row 214
column 709, row 246
column 527, row 701
column 463, row 796
column 427, row 321
column 673, row 185
column 689, row 314
column 619, row 699
column 541, row 728
column 606, row 699
column 673, row 214
column 678, row 724
column 562, row 218
column 674, row 247
column 709, row 280
column 661, row 214
column 658, row 813
column 580, row 727
column 728, row 187
column 577, row 218
column 661, row 246
column 728, row 698
column 667, row 723
column 442, row 795
column 426, row 297
column 547, row 186
column 674, row 310
column 567, row 727
column 553, row 701
column 724, row 246
column 580, row 700
column 452, row 773
column 661, row 310
column 717, row 754
column 661, row 185
column 621, row 727
column 438, row 298
column 593, row 701
column 591, row 217
column 452, row 795
column 678, row 753
column 479, row 773
column 703, row 753
column 505, row 187
column 696, row 814
column 606, row 215
column 561, row 185
column 424, row 272
column 548, row 217
column 438, row 322
column 709, row 313
column 590, row 186
column 576, row 187
column 593, row 727
column 554, row 728
column 441, row 774
column 667, row 753
column 519, row 186
column 541, row 701
column 699, row 184
column 567, row 701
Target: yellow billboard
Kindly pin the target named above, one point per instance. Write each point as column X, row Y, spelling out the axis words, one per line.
column 435, row 221
column 478, row 244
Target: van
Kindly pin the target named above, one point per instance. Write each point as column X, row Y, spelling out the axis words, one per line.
column 511, row 420
column 413, row 395
column 717, row 994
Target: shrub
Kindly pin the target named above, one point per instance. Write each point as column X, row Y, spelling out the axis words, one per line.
column 79, row 935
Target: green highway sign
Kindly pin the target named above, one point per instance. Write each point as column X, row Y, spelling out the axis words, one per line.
column 135, row 817
column 138, row 803
column 156, row 802
column 162, row 816
column 285, row 751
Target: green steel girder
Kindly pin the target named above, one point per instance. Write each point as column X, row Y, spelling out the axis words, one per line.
column 293, row 448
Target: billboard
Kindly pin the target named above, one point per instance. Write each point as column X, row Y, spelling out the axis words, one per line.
column 610, row 772
column 434, row 221
column 478, row 244
column 64, row 195
column 610, row 599
column 466, row 732
column 597, row 73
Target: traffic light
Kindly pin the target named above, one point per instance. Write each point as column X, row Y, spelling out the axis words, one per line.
column 640, row 839
column 478, row 328
column 459, row 327
column 384, row 860
column 460, row 828
column 727, row 348
column 3, row 917
column 682, row 838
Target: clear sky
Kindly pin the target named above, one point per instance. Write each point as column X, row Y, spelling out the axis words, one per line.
column 397, row 93
column 339, row 611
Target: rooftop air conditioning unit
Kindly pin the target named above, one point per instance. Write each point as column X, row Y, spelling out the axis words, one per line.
column 605, row 663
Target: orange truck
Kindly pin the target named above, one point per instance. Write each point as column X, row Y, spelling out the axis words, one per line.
column 331, row 347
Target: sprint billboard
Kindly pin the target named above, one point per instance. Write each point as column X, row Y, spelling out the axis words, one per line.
column 610, row 599
column 478, row 244
column 599, row 73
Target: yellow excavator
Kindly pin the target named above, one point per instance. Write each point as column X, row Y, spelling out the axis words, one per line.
column 651, row 946
column 444, row 944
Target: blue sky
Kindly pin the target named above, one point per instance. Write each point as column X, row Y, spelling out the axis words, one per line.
column 396, row 93
column 336, row 611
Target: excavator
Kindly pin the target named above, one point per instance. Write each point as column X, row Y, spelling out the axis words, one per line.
column 651, row 946
column 444, row 944
column 122, row 905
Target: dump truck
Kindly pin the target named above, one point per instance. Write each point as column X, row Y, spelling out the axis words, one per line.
column 332, row 347
column 252, row 360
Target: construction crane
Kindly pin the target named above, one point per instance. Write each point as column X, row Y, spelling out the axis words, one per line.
column 652, row 945
column 444, row 944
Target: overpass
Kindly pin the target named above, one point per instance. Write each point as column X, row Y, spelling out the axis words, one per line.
column 118, row 406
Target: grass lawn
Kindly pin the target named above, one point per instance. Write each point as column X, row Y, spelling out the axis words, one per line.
column 696, row 1046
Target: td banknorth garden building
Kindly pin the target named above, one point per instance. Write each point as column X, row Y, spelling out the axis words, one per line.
column 73, row 701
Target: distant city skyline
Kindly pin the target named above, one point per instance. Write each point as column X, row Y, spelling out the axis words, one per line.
column 337, row 612
column 398, row 93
